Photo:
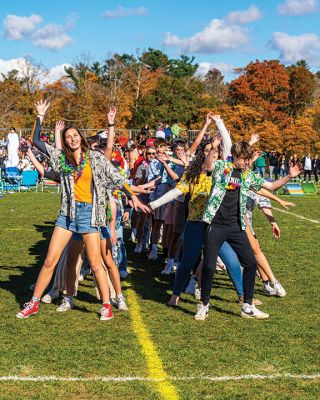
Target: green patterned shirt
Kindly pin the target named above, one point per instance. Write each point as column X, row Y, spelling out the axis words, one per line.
column 249, row 181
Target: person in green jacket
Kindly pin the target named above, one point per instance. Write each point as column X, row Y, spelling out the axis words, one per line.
column 260, row 164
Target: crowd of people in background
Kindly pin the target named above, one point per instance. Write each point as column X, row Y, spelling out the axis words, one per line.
column 188, row 204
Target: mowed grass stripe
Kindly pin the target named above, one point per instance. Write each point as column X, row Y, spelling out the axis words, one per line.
column 155, row 368
column 315, row 221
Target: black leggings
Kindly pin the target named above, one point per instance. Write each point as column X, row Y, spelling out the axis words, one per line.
column 237, row 238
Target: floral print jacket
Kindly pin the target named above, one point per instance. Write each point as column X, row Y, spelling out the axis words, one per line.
column 104, row 176
column 249, row 181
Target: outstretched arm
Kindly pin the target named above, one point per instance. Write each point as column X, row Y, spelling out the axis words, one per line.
column 293, row 172
column 110, row 140
column 57, row 134
column 200, row 135
column 271, row 196
column 41, row 107
column 225, row 136
column 166, row 198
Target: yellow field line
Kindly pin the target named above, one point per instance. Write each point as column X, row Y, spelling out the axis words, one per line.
column 155, row 369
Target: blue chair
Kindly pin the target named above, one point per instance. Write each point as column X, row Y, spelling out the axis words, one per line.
column 11, row 181
column 29, row 180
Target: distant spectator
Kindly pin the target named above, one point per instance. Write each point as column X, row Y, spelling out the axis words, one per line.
column 307, row 167
column 260, row 164
column 175, row 129
column 283, row 165
column 168, row 132
column 145, row 131
column 316, row 167
column 273, row 163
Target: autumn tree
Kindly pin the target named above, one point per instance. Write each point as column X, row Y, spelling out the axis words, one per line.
column 302, row 86
column 265, row 87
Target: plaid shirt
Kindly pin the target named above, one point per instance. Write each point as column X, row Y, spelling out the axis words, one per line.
column 249, row 181
column 104, row 176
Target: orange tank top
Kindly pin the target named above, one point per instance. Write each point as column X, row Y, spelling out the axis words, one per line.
column 82, row 187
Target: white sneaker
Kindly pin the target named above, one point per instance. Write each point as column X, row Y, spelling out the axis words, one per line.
column 251, row 311
column 50, row 296
column 121, row 304
column 190, row 289
column 280, row 292
column 133, row 237
column 202, row 312
column 197, row 294
column 66, row 305
column 268, row 290
column 153, row 255
column 138, row 248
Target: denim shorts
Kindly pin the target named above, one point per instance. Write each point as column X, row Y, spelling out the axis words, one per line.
column 82, row 222
column 104, row 233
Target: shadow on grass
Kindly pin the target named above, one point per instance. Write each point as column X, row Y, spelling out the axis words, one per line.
column 149, row 284
column 19, row 284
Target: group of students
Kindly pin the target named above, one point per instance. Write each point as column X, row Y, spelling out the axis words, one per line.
column 198, row 198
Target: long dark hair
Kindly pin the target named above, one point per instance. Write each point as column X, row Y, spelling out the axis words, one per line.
column 68, row 152
column 194, row 170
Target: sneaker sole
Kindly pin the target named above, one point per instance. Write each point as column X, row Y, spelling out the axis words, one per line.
column 26, row 316
column 69, row 309
column 47, row 301
column 200, row 318
column 244, row 315
column 106, row 318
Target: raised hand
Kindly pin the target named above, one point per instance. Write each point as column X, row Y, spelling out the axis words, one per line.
column 111, row 115
column 59, row 126
column 216, row 117
column 162, row 157
column 254, row 139
column 42, row 107
column 296, row 170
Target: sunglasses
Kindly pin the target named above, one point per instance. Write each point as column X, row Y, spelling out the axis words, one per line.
column 117, row 145
column 151, row 154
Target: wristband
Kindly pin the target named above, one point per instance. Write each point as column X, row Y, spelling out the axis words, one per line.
column 40, row 115
column 109, row 125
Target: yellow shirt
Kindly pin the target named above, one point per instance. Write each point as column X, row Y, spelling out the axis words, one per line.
column 82, row 186
column 199, row 195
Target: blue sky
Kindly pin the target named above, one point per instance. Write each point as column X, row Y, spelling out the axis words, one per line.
column 225, row 34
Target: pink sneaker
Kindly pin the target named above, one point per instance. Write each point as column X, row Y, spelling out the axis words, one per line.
column 31, row 308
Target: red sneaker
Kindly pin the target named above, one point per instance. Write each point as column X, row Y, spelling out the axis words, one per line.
column 31, row 308
column 106, row 312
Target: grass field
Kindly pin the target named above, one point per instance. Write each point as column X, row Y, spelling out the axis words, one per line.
column 167, row 354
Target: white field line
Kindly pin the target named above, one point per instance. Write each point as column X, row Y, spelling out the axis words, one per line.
column 54, row 378
column 315, row 221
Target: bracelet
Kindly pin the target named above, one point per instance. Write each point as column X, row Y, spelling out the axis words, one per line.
column 40, row 115
column 109, row 125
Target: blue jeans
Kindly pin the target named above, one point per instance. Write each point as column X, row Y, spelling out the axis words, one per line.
column 193, row 240
column 260, row 170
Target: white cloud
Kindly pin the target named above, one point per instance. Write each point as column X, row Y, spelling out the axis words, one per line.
column 9, row 65
column 297, row 7
column 125, row 12
column 244, row 17
column 224, row 68
column 293, row 48
column 17, row 28
column 217, row 37
column 55, row 73
column 51, row 36
column 20, row 64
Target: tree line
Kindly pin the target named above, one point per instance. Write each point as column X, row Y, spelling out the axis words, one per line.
column 281, row 103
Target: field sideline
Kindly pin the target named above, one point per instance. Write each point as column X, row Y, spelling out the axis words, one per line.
column 153, row 352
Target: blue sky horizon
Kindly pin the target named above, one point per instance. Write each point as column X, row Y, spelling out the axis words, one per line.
column 225, row 35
